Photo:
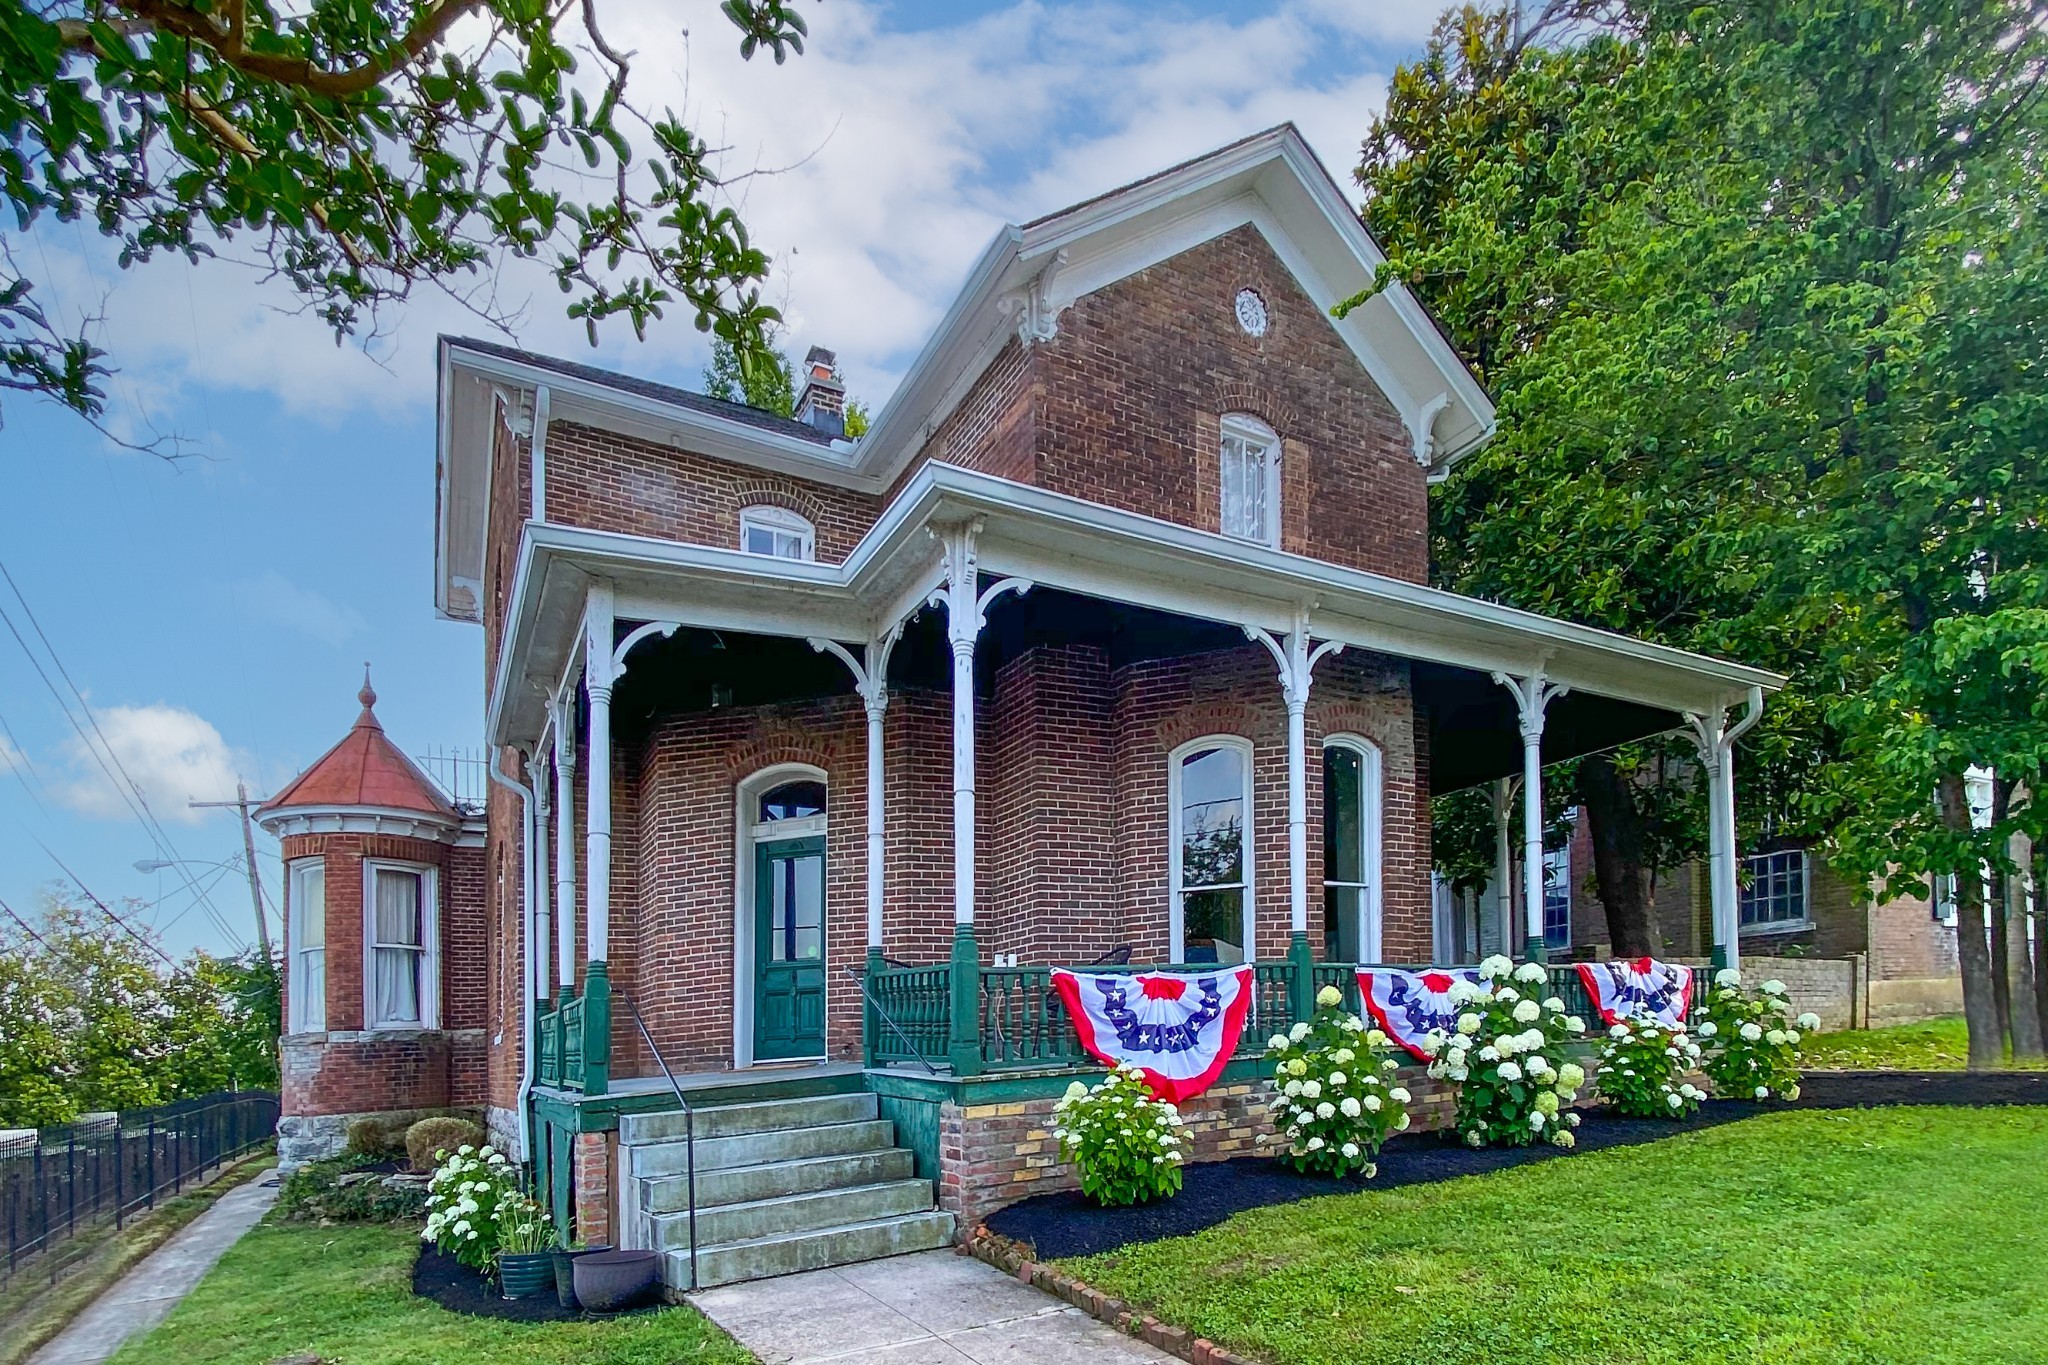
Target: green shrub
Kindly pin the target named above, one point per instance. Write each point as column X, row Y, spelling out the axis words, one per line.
column 1125, row 1143
column 428, row 1138
column 348, row 1189
column 1507, row 1059
column 1753, row 1053
column 1334, row 1102
column 379, row 1137
column 1642, row 1070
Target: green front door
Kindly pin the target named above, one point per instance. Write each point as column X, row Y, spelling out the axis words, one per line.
column 789, row 948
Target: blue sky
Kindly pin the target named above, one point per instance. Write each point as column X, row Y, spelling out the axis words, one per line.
column 216, row 615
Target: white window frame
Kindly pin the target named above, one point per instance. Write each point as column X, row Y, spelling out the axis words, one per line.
column 308, row 1007
column 1249, row 430
column 1372, row 820
column 430, row 945
column 1176, row 922
column 777, row 522
column 1778, row 926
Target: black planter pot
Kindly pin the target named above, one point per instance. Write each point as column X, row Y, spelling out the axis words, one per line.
column 565, row 1273
column 524, row 1274
column 612, row 1281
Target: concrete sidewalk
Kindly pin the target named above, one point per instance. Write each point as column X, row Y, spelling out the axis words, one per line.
column 931, row 1308
column 145, row 1295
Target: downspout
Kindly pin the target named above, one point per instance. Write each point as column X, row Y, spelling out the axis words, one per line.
column 527, row 991
column 540, row 453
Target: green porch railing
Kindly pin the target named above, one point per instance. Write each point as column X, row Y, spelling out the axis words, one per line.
column 546, row 1027
column 919, row 1003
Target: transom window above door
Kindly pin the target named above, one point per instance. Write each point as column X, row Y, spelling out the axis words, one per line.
column 778, row 533
column 798, row 800
column 1249, row 465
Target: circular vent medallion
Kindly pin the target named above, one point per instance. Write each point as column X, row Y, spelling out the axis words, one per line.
column 1251, row 312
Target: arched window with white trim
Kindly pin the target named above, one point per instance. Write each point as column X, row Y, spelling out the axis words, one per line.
column 1352, row 812
column 779, row 979
column 777, row 532
column 1248, row 463
column 1209, row 802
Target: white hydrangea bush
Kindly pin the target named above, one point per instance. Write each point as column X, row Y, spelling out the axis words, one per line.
column 1335, row 1094
column 472, row 1198
column 1507, row 1057
column 1125, row 1143
column 1644, row 1067
column 1752, row 1050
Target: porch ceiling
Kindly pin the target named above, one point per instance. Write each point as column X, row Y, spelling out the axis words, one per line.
column 1119, row 557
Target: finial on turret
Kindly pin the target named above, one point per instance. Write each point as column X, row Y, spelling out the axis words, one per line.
column 368, row 697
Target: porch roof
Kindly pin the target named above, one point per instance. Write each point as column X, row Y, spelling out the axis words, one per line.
column 1064, row 542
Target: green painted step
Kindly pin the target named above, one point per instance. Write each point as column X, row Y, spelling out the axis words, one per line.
column 744, row 1184
column 788, row 1253
column 765, row 1116
column 759, row 1149
column 813, row 1211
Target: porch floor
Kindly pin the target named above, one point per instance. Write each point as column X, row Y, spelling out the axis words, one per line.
column 696, row 1082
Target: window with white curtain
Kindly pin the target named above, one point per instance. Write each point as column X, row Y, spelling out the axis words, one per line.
column 307, row 943
column 400, row 983
column 1250, row 466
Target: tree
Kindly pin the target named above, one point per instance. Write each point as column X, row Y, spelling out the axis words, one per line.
column 769, row 384
column 362, row 147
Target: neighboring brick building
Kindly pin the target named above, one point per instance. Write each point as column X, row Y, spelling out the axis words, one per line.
column 1108, row 642
column 385, row 987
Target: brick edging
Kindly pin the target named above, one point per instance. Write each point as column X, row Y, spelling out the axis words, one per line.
column 1015, row 1258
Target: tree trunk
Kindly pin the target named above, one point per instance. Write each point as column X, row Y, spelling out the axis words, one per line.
column 2001, row 965
column 2040, row 866
column 2025, row 1016
column 1621, row 871
column 1973, row 948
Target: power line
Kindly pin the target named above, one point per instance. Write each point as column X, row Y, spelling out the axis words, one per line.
column 106, row 909
column 30, row 928
column 139, row 804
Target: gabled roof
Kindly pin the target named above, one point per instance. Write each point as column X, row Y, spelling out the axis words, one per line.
column 1023, row 281
column 364, row 771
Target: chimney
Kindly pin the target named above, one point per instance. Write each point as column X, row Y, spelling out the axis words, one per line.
column 821, row 402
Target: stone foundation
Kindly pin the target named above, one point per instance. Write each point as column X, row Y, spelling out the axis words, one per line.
column 317, row 1137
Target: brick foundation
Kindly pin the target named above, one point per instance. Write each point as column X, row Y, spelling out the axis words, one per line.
column 591, row 1170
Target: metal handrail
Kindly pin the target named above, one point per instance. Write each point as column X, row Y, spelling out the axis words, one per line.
column 882, row 1012
column 689, row 1124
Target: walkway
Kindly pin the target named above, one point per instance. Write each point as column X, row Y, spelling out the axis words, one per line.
column 148, row 1292
column 931, row 1308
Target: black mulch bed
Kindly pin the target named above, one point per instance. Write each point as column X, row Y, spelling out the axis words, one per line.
column 1064, row 1224
column 446, row 1281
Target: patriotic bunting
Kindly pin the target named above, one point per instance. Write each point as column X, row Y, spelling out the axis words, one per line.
column 1407, row 1005
column 1662, row 990
column 1177, row 1028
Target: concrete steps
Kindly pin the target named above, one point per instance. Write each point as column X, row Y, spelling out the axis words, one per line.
column 782, row 1186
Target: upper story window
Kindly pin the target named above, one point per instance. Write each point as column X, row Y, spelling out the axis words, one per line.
column 777, row 531
column 1250, row 467
column 1778, row 891
column 401, row 988
column 307, row 935
column 1210, row 802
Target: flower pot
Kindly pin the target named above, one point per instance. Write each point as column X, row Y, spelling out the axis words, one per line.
column 523, row 1274
column 565, row 1273
column 610, row 1281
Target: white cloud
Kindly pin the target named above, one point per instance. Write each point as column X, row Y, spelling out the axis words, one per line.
column 11, row 758
column 895, row 156
column 172, row 755
column 272, row 598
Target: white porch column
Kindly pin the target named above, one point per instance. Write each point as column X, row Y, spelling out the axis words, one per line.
column 871, row 681
column 1297, row 665
column 1715, row 738
column 598, row 679
column 1533, row 696
column 1503, row 861
column 564, row 709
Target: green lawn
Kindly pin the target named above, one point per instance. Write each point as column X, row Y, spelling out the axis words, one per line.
column 1899, row 1235
column 343, row 1293
column 1934, row 1045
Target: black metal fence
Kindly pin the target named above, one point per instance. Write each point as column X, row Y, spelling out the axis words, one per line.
column 58, row 1183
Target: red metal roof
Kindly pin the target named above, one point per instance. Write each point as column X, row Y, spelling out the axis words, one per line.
column 365, row 769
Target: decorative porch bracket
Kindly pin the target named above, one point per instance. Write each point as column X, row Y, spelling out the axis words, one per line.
column 966, row 604
column 1533, row 695
column 1715, row 739
column 871, row 681
column 1297, row 664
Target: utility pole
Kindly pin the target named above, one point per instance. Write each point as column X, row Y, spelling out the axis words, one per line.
column 242, row 805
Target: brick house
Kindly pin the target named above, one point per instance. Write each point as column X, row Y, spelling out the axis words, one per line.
column 1108, row 642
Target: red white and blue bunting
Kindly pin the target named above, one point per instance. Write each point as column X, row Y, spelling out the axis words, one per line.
column 1180, row 1029
column 1407, row 1005
column 1662, row 990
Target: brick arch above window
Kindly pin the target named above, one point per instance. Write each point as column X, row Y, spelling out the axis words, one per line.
column 771, row 493
column 1256, row 400
column 775, row 744
column 1216, row 718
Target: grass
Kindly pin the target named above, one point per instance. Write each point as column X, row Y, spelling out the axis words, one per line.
column 33, row 1310
column 1941, row 1044
column 344, row 1294
column 1851, row 1238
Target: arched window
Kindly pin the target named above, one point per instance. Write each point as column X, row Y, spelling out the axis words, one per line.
column 777, row 532
column 1352, row 804
column 1249, row 468
column 796, row 800
column 779, row 930
column 1209, row 790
